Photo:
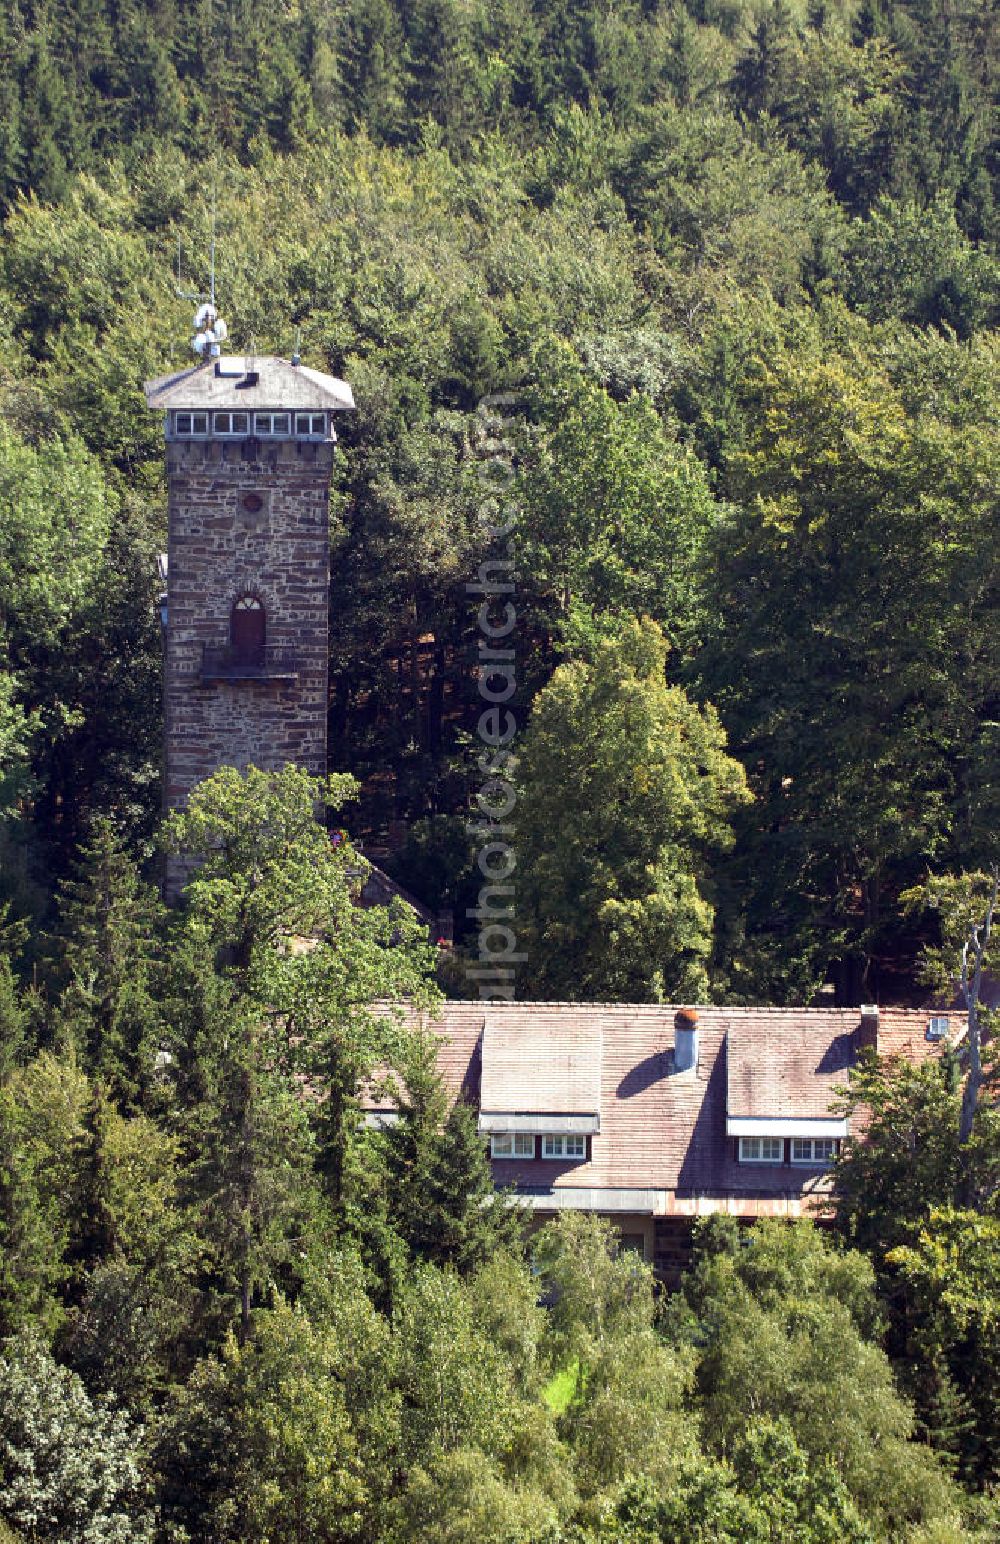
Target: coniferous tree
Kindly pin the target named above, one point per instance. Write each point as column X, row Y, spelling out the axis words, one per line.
column 438, row 1183
column 110, row 924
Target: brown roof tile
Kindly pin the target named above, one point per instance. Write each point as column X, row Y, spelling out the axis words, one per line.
column 663, row 1131
column 788, row 1062
column 538, row 1063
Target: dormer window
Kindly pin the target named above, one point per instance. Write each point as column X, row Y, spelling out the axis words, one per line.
column 818, row 1151
column 512, row 1144
column 556, row 1095
column 564, row 1147
column 761, row 1150
column 190, row 423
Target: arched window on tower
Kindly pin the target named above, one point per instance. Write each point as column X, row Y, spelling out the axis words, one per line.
column 248, row 629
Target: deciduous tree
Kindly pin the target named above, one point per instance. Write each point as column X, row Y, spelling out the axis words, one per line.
column 625, row 791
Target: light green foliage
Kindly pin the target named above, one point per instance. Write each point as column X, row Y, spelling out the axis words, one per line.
column 617, row 512
column 264, row 871
column 462, row 1498
column 797, row 1498
column 503, row 1295
column 69, row 1469
column 625, row 789
column 263, row 1442
column 787, row 1324
column 466, row 1381
column 55, row 515
column 701, row 1504
column 629, row 1414
column 85, row 305
column 908, row 1163
column 42, row 1110
column 598, row 1292
column 626, row 1414
column 456, row 1383
column 770, row 1493
column 56, row 511
column 951, row 1275
column 79, row 677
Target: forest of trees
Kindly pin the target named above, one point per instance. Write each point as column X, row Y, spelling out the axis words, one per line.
column 232, row 1313
column 732, row 271
column 721, row 280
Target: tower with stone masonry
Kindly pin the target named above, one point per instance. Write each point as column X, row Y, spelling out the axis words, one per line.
column 249, row 445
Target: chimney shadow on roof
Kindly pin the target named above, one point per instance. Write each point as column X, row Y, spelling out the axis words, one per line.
column 473, row 1076
column 644, row 1074
column 840, row 1055
column 704, row 1159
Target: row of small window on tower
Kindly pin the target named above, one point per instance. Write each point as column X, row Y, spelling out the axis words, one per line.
column 818, row 1151
column 312, row 426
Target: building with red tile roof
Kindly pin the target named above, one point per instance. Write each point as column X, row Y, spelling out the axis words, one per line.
column 654, row 1115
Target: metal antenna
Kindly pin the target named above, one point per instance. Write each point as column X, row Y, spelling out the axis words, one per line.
column 210, row 330
column 212, row 284
column 193, row 294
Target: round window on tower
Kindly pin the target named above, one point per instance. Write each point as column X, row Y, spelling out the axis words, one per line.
column 253, row 503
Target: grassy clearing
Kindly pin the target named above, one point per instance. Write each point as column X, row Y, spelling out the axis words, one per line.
column 560, row 1389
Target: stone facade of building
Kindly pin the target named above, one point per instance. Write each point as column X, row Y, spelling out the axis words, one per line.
column 246, row 525
column 249, row 462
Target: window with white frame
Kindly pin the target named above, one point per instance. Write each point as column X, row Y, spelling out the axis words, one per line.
column 564, row 1147
column 231, row 423
column 512, row 1144
column 815, row 1150
column 310, row 423
column 271, row 423
column 190, row 423
column 762, row 1150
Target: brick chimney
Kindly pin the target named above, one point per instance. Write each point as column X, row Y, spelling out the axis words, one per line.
column 685, row 1040
column 866, row 1034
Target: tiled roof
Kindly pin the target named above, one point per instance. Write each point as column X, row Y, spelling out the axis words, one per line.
column 788, row 1063
column 661, row 1131
column 903, row 1032
column 540, row 1063
column 279, row 384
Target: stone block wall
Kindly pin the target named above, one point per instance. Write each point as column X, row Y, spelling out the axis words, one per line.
column 245, row 517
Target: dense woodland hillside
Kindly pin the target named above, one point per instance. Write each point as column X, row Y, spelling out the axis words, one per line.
column 720, row 282
column 736, row 268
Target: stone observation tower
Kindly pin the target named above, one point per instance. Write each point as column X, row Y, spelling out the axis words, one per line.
column 249, row 460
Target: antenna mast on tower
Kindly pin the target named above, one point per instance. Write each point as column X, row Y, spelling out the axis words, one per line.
column 210, row 331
